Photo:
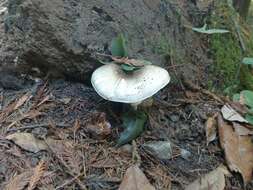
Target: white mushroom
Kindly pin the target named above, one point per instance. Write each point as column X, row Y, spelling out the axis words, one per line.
column 114, row 84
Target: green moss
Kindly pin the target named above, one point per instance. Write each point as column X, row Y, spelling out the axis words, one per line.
column 227, row 52
column 246, row 74
column 227, row 56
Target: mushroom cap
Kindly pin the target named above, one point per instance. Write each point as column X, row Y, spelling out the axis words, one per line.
column 113, row 84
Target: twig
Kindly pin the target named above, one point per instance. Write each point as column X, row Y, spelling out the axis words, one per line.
column 68, row 182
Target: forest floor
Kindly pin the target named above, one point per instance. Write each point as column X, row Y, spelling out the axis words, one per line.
column 62, row 135
column 53, row 136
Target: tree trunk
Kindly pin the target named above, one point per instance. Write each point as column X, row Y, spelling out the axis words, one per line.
column 242, row 6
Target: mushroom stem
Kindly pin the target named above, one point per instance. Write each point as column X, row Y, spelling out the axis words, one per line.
column 135, row 105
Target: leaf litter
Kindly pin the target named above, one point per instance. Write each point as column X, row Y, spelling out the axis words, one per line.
column 78, row 159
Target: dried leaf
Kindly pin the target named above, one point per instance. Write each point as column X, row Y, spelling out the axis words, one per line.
column 38, row 173
column 211, row 129
column 238, row 149
column 19, row 182
column 230, row 114
column 131, row 62
column 135, row 179
column 28, row 142
column 241, row 130
column 215, row 180
column 21, row 101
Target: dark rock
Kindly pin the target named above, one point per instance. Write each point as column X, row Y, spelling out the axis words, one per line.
column 160, row 149
column 61, row 37
column 10, row 80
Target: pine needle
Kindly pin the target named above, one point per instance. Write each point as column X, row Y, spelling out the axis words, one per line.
column 19, row 182
column 38, row 172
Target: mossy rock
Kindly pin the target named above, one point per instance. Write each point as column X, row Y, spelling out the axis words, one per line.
column 227, row 52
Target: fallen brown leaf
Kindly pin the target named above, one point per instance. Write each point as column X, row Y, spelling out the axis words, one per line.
column 215, row 180
column 28, row 142
column 241, row 130
column 211, row 129
column 131, row 62
column 135, row 179
column 238, row 149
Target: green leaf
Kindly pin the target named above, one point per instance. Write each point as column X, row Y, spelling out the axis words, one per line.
column 247, row 60
column 236, row 97
column 118, row 47
column 204, row 30
column 249, row 118
column 127, row 67
column 248, row 97
column 133, row 122
column 103, row 62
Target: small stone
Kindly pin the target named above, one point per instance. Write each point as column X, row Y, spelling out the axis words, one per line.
column 174, row 118
column 160, row 149
column 185, row 154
